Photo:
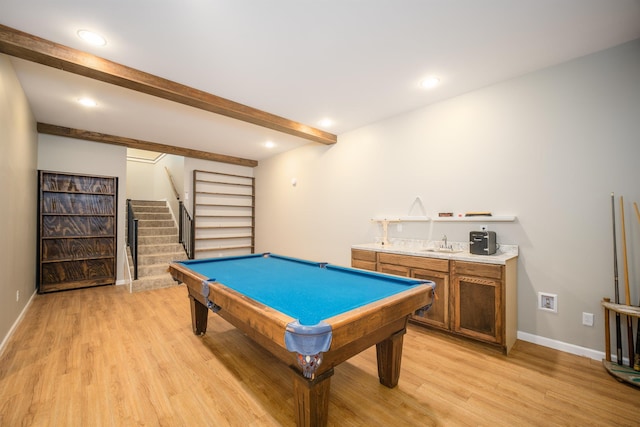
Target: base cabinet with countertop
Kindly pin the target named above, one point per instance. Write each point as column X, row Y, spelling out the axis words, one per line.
column 476, row 295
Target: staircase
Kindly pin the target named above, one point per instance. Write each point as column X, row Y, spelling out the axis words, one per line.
column 157, row 245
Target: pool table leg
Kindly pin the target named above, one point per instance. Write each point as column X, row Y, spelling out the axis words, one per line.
column 311, row 398
column 199, row 316
column 389, row 354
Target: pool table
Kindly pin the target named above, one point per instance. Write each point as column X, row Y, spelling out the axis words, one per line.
column 313, row 316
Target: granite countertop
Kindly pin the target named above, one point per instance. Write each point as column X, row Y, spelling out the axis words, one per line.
column 429, row 250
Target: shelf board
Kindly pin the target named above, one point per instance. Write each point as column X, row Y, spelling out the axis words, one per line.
column 402, row 219
column 493, row 218
column 238, row 236
column 628, row 310
column 51, row 261
column 91, row 215
column 224, row 216
column 210, row 193
column 217, row 205
column 622, row 373
column 215, row 227
column 234, row 184
column 85, row 236
column 80, row 193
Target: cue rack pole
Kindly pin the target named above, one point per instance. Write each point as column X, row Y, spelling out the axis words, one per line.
column 627, row 292
column 616, row 286
column 636, row 360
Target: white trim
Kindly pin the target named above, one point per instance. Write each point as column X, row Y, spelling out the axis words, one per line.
column 15, row 324
column 562, row 346
column 143, row 160
column 127, row 270
column 173, row 217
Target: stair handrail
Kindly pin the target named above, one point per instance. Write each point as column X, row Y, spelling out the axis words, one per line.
column 132, row 237
column 186, row 231
column 173, row 185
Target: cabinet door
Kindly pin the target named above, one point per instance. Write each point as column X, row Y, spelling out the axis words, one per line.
column 438, row 314
column 477, row 303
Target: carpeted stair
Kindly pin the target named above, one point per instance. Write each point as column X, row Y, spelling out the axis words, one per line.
column 157, row 245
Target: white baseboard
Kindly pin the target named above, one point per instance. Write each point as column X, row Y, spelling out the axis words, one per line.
column 16, row 323
column 562, row 346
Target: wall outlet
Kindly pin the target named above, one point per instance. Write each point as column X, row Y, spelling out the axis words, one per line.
column 17, row 296
column 547, row 302
column 587, row 319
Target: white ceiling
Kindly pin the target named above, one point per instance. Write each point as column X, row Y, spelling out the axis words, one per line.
column 354, row 61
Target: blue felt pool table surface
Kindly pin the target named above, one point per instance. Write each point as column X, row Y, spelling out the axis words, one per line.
column 307, row 291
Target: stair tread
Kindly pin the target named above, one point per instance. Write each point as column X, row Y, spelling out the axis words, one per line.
column 155, row 281
column 169, row 256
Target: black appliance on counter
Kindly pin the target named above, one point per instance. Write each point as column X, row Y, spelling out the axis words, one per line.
column 482, row 242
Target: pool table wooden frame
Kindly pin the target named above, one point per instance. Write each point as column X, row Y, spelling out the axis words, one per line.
column 382, row 323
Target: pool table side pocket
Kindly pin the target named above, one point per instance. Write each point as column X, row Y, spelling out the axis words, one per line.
column 347, row 327
column 258, row 321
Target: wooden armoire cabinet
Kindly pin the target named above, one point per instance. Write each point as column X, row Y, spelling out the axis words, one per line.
column 77, row 222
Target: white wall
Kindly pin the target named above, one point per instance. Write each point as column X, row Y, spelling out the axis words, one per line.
column 163, row 188
column 62, row 154
column 548, row 147
column 18, row 191
column 149, row 181
column 140, row 186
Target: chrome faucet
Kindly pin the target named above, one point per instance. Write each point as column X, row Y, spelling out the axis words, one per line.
column 444, row 240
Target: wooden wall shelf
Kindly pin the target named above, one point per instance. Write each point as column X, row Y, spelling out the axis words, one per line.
column 224, row 214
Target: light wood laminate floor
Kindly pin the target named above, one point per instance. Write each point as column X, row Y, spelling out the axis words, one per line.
column 104, row 357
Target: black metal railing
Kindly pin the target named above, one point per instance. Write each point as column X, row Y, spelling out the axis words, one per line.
column 132, row 237
column 186, row 231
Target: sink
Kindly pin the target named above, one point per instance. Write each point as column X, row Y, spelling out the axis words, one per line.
column 443, row 250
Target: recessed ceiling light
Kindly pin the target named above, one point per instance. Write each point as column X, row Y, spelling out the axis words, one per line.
column 91, row 37
column 87, row 102
column 325, row 123
column 269, row 144
column 430, row 82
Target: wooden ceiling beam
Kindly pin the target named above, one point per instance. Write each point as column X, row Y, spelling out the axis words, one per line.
column 31, row 48
column 142, row 145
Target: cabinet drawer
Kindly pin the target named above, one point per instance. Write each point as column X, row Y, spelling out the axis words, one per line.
column 414, row 262
column 365, row 265
column 362, row 255
column 398, row 270
column 491, row 271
